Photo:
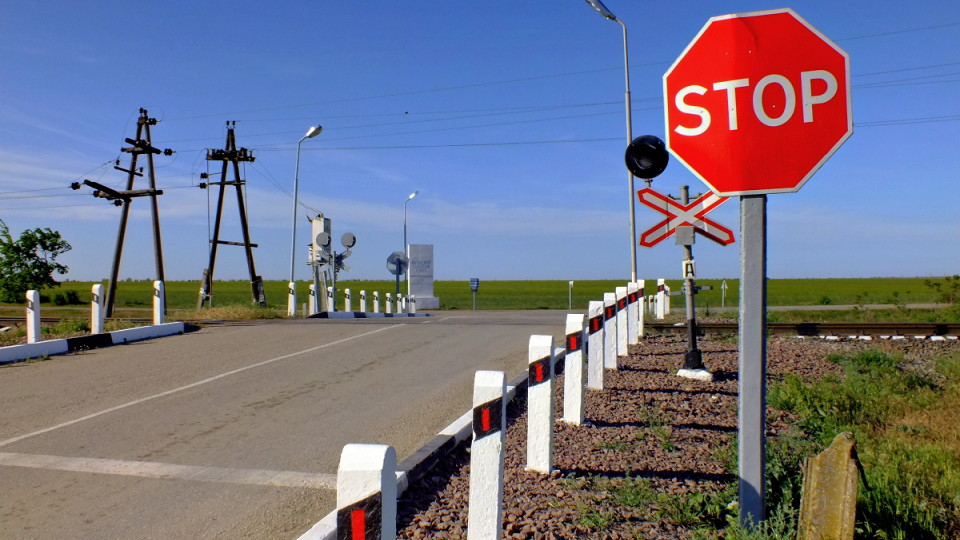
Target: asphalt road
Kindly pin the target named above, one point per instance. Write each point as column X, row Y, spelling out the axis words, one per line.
column 233, row 431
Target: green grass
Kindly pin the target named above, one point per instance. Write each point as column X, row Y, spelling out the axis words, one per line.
column 544, row 294
column 911, row 457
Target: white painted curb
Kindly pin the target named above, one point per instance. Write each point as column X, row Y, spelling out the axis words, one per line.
column 15, row 353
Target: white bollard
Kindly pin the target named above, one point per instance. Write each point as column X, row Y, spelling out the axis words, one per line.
column 540, row 404
column 633, row 306
column 388, row 305
column 621, row 321
column 363, row 300
column 412, row 304
column 347, row 303
column 574, row 370
column 376, row 301
column 291, row 299
column 330, row 299
column 96, row 310
column 159, row 302
column 399, row 306
column 314, row 305
column 661, row 299
column 666, row 298
column 486, row 456
column 609, row 331
column 595, row 345
column 367, row 492
column 641, row 309
column 33, row 316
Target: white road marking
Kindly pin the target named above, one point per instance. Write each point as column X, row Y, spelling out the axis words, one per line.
column 189, row 386
column 148, row 469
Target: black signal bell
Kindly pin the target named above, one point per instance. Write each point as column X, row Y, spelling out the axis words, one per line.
column 646, row 157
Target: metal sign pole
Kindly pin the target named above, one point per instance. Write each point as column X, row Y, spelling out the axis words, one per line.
column 753, row 357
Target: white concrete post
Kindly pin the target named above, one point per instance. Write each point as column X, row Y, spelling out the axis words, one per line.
column 540, row 404
column 486, row 456
column 595, row 345
column 412, row 304
column 367, row 492
column 96, row 309
column 159, row 302
column 609, row 331
column 574, row 370
column 399, row 306
column 330, row 299
column 347, row 303
column 314, row 305
column 621, row 321
column 642, row 311
column 291, row 299
column 666, row 299
column 633, row 306
column 388, row 304
column 376, row 301
column 661, row 299
column 363, row 300
column 33, row 316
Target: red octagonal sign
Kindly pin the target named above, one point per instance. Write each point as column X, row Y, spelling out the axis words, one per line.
column 757, row 102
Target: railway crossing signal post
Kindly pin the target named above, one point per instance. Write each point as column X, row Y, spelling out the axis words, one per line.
column 756, row 104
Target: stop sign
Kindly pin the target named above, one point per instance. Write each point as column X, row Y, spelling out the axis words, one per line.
column 757, row 102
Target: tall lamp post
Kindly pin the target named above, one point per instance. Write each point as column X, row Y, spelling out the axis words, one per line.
column 412, row 195
column 292, row 292
column 598, row 5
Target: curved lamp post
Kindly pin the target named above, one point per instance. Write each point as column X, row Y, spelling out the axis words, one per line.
column 412, row 195
column 598, row 5
column 292, row 295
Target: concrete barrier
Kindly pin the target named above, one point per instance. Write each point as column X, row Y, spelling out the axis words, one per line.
column 633, row 307
column 595, row 343
column 367, row 492
column 574, row 370
column 486, row 456
column 609, row 331
column 33, row 317
column 621, row 293
column 291, row 299
column 96, row 309
column 16, row 353
column 540, row 404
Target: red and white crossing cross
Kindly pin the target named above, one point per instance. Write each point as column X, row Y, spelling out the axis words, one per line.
column 679, row 214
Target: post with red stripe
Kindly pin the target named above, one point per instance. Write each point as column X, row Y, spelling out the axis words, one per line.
column 633, row 306
column 540, row 405
column 595, row 341
column 367, row 493
column 574, row 370
column 621, row 321
column 661, row 298
column 641, row 309
column 486, row 456
column 609, row 331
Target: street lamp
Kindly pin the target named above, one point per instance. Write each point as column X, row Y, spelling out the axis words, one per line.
column 598, row 5
column 412, row 195
column 292, row 295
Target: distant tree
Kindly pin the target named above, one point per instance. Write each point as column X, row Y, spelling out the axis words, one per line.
column 29, row 262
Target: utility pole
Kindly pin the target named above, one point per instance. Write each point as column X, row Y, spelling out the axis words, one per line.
column 230, row 155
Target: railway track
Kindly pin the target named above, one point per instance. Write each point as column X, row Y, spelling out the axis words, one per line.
column 925, row 329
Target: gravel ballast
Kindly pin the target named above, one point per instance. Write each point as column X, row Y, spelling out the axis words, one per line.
column 647, row 423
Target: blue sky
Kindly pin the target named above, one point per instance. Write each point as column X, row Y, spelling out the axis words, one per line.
column 507, row 116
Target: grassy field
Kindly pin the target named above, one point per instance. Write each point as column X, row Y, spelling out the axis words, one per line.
column 536, row 294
